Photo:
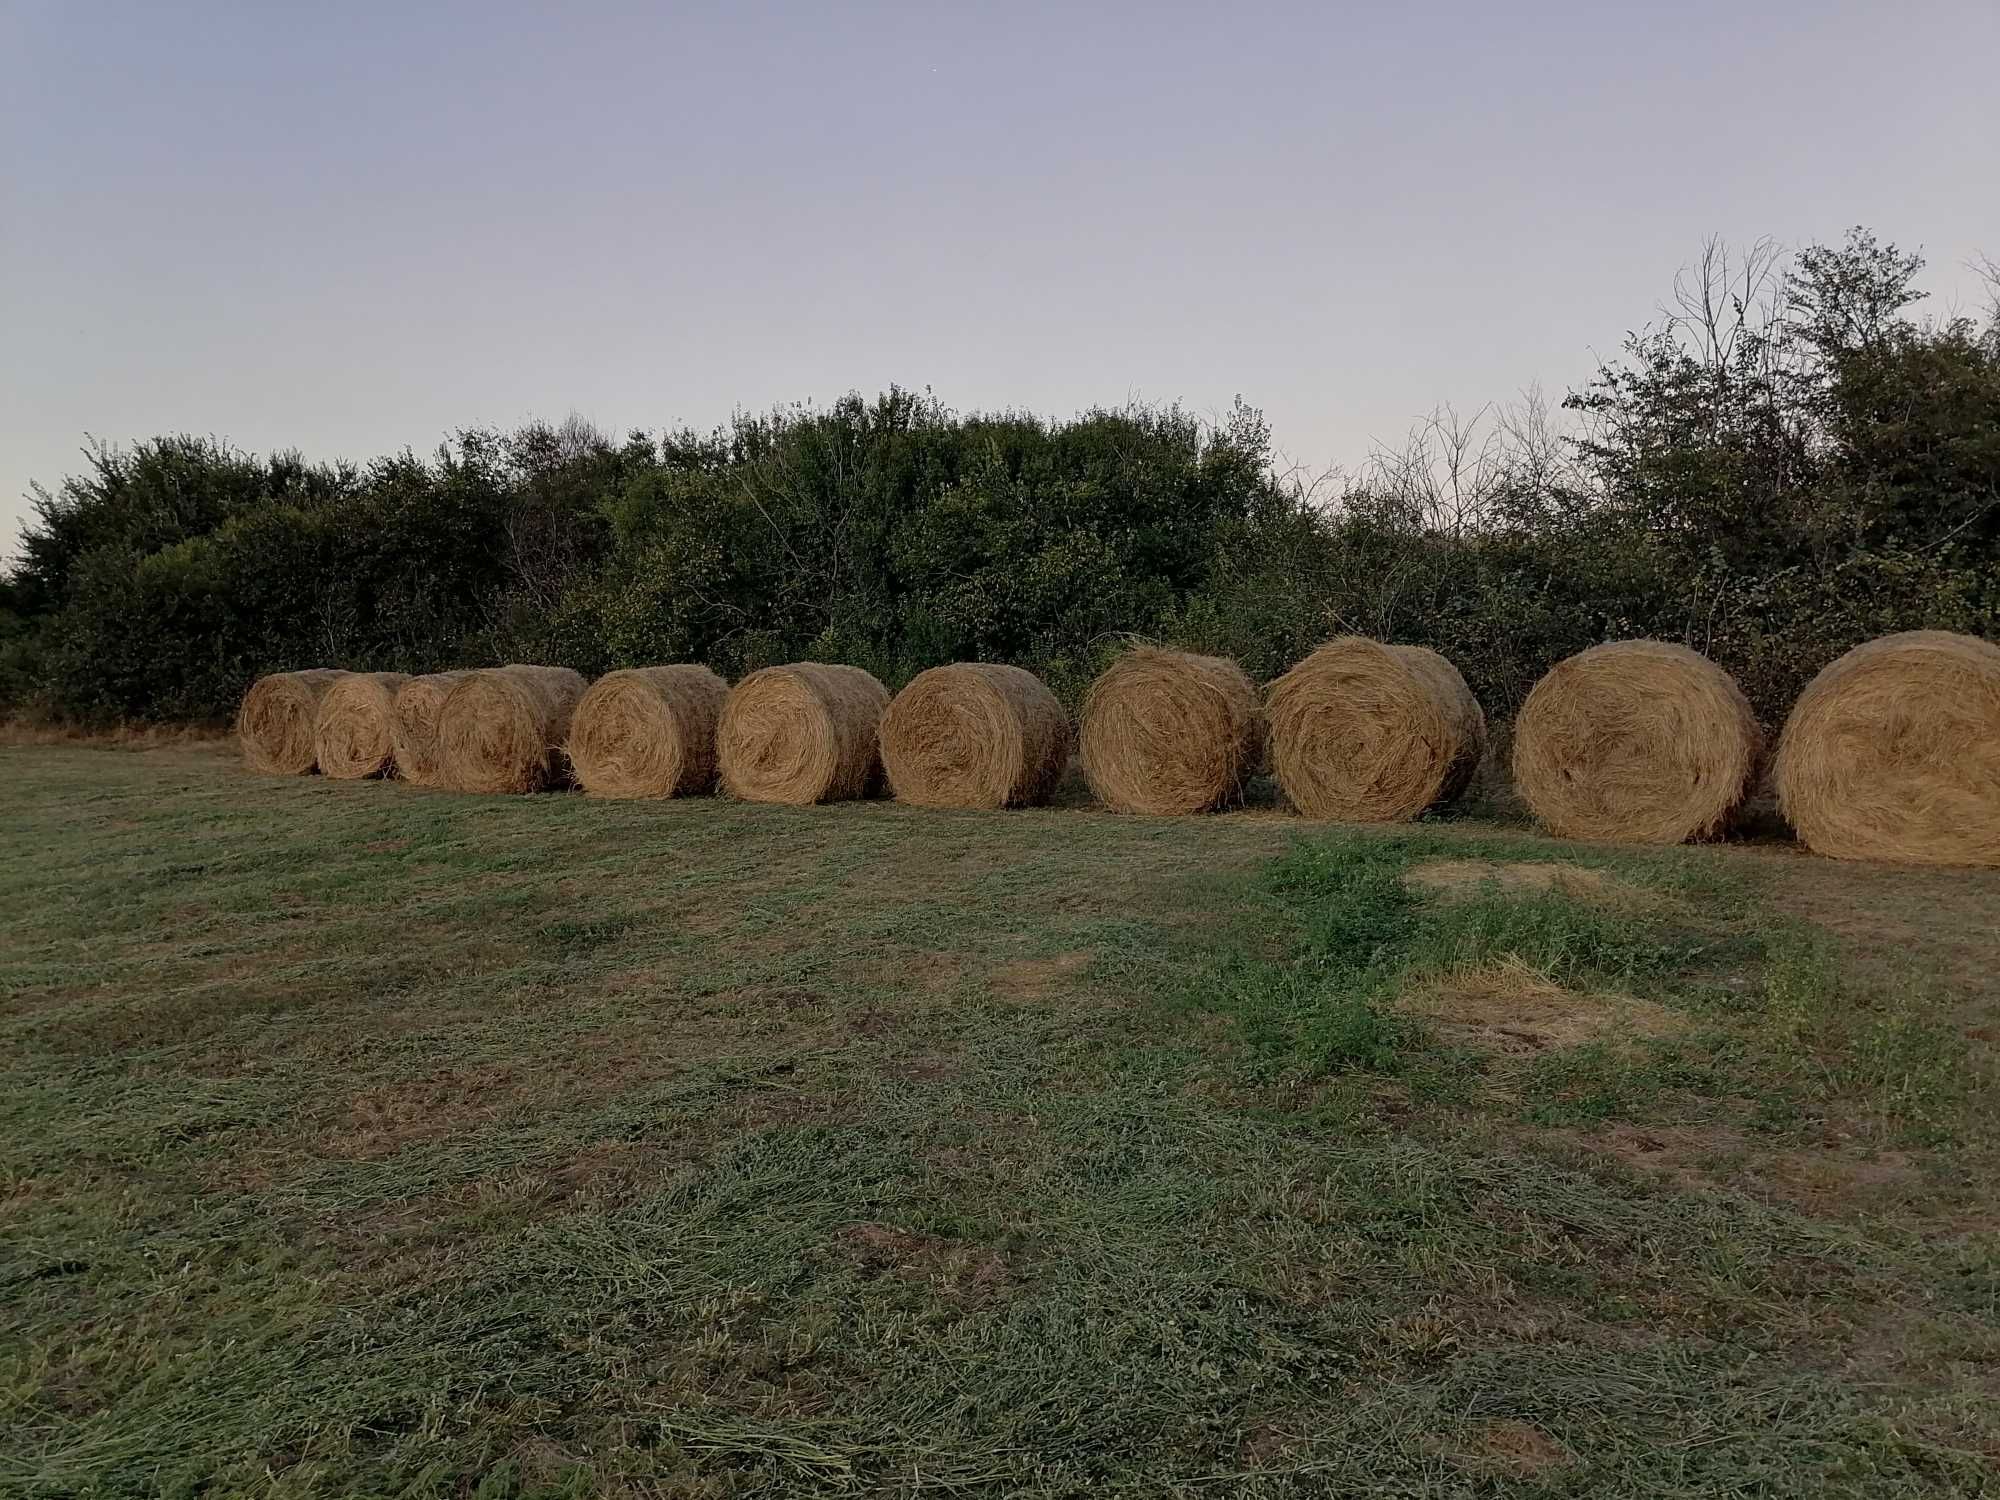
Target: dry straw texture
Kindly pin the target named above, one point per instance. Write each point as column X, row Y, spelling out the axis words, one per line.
column 1640, row 741
column 275, row 725
column 975, row 734
column 1169, row 732
column 1369, row 733
column 1893, row 752
column 354, row 731
column 648, row 732
column 502, row 729
column 802, row 733
column 418, row 704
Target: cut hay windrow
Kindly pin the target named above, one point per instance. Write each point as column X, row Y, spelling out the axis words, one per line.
column 275, row 724
column 1893, row 753
column 975, row 734
column 1638, row 741
column 802, row 733
column 502, row 729
column 354, row 731
column 1368, row 733
column 648, row 732
column 1167, row 732
column 418, row 704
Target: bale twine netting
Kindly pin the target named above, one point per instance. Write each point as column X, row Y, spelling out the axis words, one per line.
column 1167, row 732
column 1893, row 753
column 648, row 732
column 354, row 732
column 502, row 729
column 1638, row 741
column 975, row 734
column 418, row 704
column 1368, row 733
column 275, row 724
column 802, row 733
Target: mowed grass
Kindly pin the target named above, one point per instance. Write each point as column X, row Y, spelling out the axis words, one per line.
column 360, row 1140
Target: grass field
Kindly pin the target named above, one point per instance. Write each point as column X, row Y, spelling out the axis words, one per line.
column 361, row 1140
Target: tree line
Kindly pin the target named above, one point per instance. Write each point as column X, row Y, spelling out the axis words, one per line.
column 1790, row 459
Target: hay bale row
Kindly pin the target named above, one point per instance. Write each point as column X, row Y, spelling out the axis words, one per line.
column 975, row 734
column 1893, row 751
column 1638, row 741
column 648, row 732
column 801, row 734
column 1368, row 733
column 354, row 730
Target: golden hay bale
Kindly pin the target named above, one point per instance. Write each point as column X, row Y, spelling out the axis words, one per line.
column 801, row 733
column 354, row 732
column 1640, row 741
column 648, row 732
column 275, row 724
column 1893, row 752
column 502, row 729
column 1369, row 733
column 1170, row 732
column 418, row 704
column 975, row 734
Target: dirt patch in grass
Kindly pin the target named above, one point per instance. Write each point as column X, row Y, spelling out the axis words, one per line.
column 382, row 1121
column 960, row 1269
column 1469, row 877
column 1034, row 978
column 1512, row 1448
column 1506, row 1010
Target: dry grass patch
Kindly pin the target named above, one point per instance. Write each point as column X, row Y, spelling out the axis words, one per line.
column 1034, row 978
column 1509, row 1011
column 953, row 1266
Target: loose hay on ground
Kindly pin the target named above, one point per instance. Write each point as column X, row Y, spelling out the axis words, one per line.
column 502, row 729
column 801, row 734
column 1167, row 732
column 975, row 734
column 648, row 732
column 1641, row 741
column 1369, row 733
column 354, row 730
column 418, row 704
column 1508, row 1011
column 1893, row 753
column 276, row 722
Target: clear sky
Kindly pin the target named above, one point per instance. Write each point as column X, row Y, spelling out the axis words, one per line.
column 353, row 227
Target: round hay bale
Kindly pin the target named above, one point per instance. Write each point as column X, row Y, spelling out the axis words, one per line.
column 801, row 733
column 1368, row 733
column 354, row 732
column 275, row 724
column 502, row 729
column 975, row 734
column 1893, row 753
column 418, row 704
column 1639, row 741
column 647, row 732
column 1170, row 732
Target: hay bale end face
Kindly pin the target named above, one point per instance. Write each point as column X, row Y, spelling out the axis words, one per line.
column 418, row 704
column 275, row 724
column 801, row 734
column 975, row 734
column 1368, row 733
column 354, row 732
column 648, row 732
column 1167, row 732
column 502, row 729
column 1637, row 741
column 1893, row 753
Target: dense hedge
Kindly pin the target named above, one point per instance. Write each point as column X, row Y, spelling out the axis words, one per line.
column 1771, row 484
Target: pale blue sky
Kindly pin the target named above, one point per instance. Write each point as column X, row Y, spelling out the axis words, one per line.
column 352, row 227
